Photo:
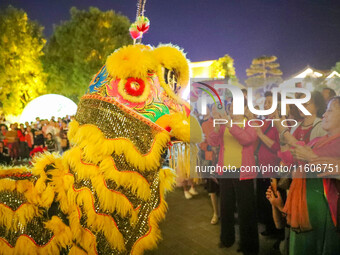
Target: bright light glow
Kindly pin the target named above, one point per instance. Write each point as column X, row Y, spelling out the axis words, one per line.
column 333, row 74
column 200, row 69
column 291, row 83
column 201, row 63
column 308, row 71
column 47, row 106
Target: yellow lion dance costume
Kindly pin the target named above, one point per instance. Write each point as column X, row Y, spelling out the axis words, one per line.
column 106, row 194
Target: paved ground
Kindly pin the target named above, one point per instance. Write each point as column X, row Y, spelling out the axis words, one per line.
column 187, row 228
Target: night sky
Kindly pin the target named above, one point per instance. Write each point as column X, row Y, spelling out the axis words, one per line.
column 298, row 32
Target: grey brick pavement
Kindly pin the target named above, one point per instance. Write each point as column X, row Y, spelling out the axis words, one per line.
column 187, row 229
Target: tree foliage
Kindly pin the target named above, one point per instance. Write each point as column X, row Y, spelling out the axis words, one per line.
column 79, row 47
column 21, row 73
column 263, row 71
column 223, row 67
column 336, row 67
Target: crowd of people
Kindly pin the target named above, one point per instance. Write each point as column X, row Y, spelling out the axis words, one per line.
column 299, row 209
column 20, row 142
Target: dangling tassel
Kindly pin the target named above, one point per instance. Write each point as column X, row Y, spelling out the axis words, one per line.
column 141, row 25
column 170, row 147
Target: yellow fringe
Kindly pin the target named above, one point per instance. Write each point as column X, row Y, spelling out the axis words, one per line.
column 63, row 234
column 25, row 187
column 26, row 211
column 96, row 147
column 131, row 61
column 109, row 200
column 11, row 219
column 100, row 222
column 130, row 180
column 135, row 182
column 38, row 195
column 112, row 200
column 39, row 165
column 56, row 184
column 73, row 159
column 61, row 183
column 173, row 58
column 82, row 236
column 149, row 241
column 8, row 170
column 25, row 246
column 168, row 180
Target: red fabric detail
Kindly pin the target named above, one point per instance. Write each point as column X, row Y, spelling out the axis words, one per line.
column 187, row 110
column 136, row 34
column 144, row 28
column 134, row 91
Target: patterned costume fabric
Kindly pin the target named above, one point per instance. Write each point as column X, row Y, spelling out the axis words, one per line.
column 106, row 194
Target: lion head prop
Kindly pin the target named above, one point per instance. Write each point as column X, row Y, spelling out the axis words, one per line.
column 106, row 194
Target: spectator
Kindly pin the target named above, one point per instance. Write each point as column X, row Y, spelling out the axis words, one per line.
column 328, row 93
column 38, row 138
column 60, row 121
column 35, row 127
column 4, row 155
column 51, row 143
column 266, row 154
column 50, row 128
column 312, row 203
column 3, row 131
column 12, row 142
column 310, row 125
column 38, row 123
column 68, row 118
column 63, row 136
column 44, row 126
column 29, row 138
column 23, row 146
column 237, row 149
column 57, row 135
column 308, row 128
column 209, row 158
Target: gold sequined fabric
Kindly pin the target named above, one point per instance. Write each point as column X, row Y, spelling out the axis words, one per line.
column 114, row 122
column 14, row 201
column 35, row 230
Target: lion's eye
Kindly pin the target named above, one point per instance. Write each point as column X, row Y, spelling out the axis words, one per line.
column 170, row 79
